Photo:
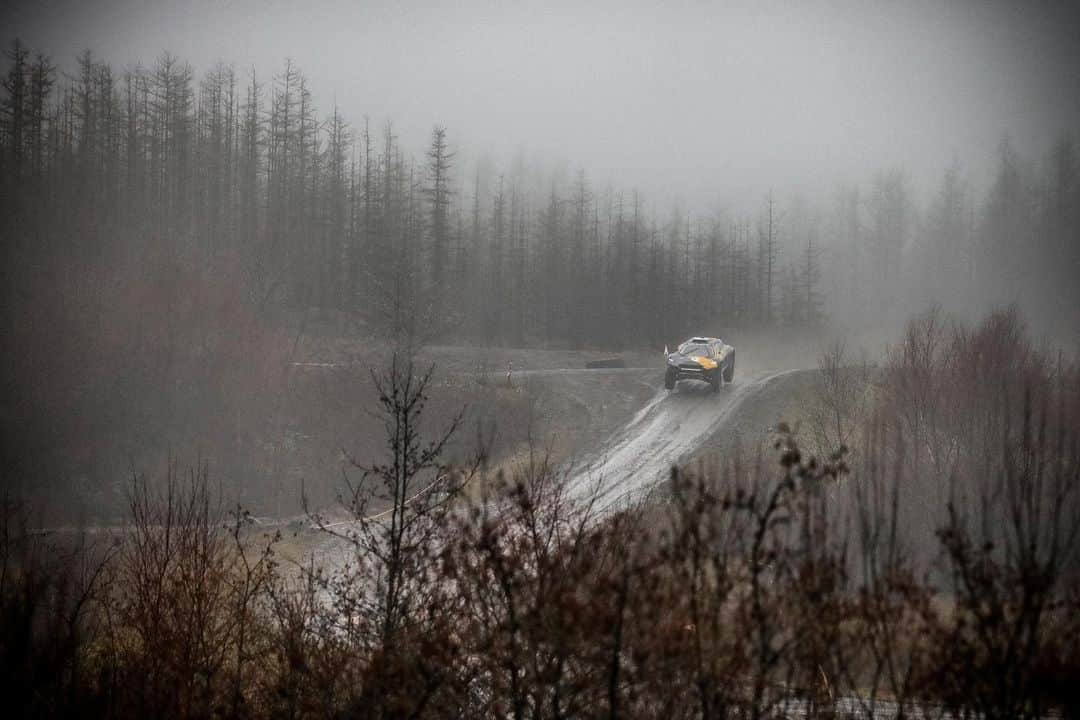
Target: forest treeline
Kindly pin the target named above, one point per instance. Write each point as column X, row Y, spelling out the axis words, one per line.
column 318, row 212
column 165, row 236
column 315, row 213
column 930, row 570
column 168, row 238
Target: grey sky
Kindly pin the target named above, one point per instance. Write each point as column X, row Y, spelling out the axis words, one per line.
column 697, row 100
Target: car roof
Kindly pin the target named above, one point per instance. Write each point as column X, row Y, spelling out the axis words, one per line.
column 702, row 340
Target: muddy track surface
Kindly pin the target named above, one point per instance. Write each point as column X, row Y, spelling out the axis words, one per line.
column 624, row 465
column 665, row 432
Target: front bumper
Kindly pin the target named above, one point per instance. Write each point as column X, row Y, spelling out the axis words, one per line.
column 681, row 372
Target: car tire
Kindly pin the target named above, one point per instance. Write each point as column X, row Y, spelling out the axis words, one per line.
column 669, row 380
column 716, row 381
column 729, row 371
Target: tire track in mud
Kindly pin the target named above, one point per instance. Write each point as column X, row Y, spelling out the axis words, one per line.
column 634, row 460
column 671, row 426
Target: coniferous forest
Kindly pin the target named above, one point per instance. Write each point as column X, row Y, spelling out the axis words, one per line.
column 171, row 234
column 303, row 418
column 326, row 214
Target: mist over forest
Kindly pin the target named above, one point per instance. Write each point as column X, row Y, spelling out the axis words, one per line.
column 164, row 218
column 251, row 250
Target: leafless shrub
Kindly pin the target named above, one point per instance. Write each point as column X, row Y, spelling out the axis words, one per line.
column 312, row 670
column 1009, row 556
column 842, row 398
column 392, row 603
column 50, row 586
column 988, row 467
column 184, row 614
column 762, row 589
column 893, row 599
column 506, row 561
column 768, row 605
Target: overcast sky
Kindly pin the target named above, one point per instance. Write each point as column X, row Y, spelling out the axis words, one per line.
column 704, row 101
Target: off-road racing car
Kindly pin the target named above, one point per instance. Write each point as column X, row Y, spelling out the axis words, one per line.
column 701, row 358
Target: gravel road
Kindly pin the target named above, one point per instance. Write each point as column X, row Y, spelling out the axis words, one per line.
column 665, row 432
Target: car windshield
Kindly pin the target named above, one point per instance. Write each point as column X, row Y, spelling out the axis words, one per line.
column 692, row 349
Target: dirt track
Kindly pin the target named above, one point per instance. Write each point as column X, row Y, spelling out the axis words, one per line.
column 617, row 431
column 667, row 431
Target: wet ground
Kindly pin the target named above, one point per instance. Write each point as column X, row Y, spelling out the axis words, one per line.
column 616, row 432
column 666, row 431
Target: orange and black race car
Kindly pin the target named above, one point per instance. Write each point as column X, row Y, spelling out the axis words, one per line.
column 701, row 358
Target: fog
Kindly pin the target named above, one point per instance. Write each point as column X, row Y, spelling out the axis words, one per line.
column 199, row 198
column 335, row 370
column 709, row 103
